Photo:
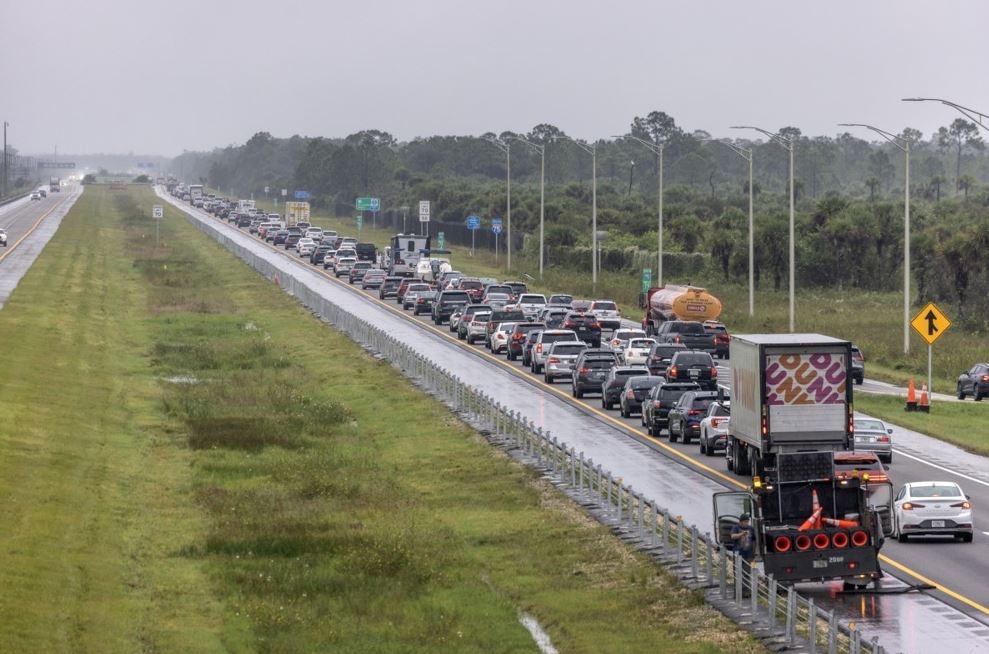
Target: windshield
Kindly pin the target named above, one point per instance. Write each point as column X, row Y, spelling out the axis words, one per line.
column 605, row 306
column 641, row 343
column 644, row 382
column 694, row 359
column 532, row 299
column 552, row 338
column 561, row 299
column 935, row 490
column 599, row 364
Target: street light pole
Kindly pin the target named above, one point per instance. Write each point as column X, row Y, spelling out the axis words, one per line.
column 657, row 149
column 790, row 145
column 904, row 145
column 5, row 124
column 506, row 147
column 541, row 149
column 592, row 150
column 746, row 153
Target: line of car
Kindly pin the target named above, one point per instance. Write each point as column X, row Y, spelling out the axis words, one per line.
column 672, row 388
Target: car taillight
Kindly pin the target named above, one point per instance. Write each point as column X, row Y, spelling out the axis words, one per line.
column 716, row 421
column 656, row 404
column 693, row 412
column 985, row 377
column 714, row 373
column 673, row 371
column 553, row 360
column 595, row 325
column 539, row 347
column 518, row 338
column 615, row 342
column 907, row 506
column 883, row 439
column 420, row 301
column 569, row 324
column 676, row 339
column 630, row 394
column 962, row 505
column 584, row 371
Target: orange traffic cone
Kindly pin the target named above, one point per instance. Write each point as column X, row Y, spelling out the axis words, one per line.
column 843, row 524
column 911, row 397
column 925, row 403
column 812, row 521
column 818, row 511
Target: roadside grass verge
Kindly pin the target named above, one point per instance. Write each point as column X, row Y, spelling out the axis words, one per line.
column 961, row 423
column 377, row 521
column 96, row 501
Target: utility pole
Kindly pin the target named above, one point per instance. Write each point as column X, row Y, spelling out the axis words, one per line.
column 656, row 149
column 506, row 147
column 541, row 149
column 592, row 150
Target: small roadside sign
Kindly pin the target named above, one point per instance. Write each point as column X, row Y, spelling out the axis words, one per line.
column 360, row 221
column 424, row 211
column 301, row 195
column 368, row 204
column 930, row 323
column 266, row 190
column 284, row 192
column 441, row 241
column 157, row 211
column 646, row 279
column 473, row 222
column 496, row 225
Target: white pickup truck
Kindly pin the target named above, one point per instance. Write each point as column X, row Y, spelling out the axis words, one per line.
column 3, row 237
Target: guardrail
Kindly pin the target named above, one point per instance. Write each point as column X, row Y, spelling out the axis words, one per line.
column 774, row 611
column 14, row 198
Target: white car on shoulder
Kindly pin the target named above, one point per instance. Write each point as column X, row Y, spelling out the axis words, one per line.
column 932, row 508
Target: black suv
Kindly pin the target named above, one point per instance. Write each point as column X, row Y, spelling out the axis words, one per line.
column 611, row 389
column 591, row 370
column 661, row 355
column 694, row 366
column 446, row 302
column 586, row 326
column 656, row 407
column 685, row 417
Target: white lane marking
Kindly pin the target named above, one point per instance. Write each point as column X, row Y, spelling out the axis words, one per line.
column 986, row 533
column 934, row 465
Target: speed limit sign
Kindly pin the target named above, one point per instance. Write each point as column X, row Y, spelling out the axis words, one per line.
column 158, row 211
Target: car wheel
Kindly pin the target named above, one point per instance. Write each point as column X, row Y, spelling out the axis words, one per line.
column 977, row 394
column 961, row 393
column 702, row 446
column 578, row 393
column 511, row 357
column 902, row 537
column 624, row 412
column 858, row 381
column 967, row 538
column 536, row 368
column 672, row 436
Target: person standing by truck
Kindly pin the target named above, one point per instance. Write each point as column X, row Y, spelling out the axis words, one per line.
column 743, row 535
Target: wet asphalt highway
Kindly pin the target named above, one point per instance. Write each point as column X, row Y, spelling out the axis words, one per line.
column 911, row 622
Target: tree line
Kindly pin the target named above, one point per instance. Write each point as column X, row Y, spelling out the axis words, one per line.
column 849, row 195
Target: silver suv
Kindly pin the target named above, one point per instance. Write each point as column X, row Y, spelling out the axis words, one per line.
column 540, row 349
column 561, row 358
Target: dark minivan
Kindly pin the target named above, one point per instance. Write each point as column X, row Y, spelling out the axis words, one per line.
column 446, row 302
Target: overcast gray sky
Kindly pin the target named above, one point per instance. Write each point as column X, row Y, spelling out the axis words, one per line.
column 161, row 77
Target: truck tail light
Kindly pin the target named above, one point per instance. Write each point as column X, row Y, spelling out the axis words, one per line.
column 714, row 373
column 584, row 371
column 765, row 427
column 656, row 404
column 840, row 540
column 821, row 541
column 630, row 394
column 673, row 371
column 860, row 538
column 782, row 544
column 802, row 542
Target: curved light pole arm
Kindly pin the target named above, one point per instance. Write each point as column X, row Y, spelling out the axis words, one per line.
column 656, row 149
column 592, row 150
column 541, row 149
column 975, row 116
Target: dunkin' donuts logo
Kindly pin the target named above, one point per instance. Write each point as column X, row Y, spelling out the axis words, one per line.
column 806, row 379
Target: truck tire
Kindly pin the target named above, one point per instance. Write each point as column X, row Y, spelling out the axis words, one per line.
column 961, row 393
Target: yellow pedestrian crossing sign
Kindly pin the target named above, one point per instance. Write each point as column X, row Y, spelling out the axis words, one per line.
column 930, row 323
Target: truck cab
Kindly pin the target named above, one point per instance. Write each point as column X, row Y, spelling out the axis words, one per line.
column 811, row 524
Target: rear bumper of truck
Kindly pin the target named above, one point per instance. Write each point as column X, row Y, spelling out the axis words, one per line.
column 822, row 565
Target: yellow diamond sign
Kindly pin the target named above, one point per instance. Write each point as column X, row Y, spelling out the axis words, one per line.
column 930, row 323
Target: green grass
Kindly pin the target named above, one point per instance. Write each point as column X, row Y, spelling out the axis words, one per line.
column 955, row 422
column 273, row 505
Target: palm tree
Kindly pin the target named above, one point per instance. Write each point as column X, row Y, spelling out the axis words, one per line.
column 965, row 182
column 873, row 184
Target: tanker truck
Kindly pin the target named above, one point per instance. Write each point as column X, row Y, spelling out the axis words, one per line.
column 672, row 302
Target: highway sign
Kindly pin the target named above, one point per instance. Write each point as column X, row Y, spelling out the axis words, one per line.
column 266, row 190
column 302, row 195
column 930, row 323
column 55, row 164
column 360, row 221
column 646, row 279
column 473, row 222
column 284, row 192
column 369, row 204
column 496, row 225
column 157, row 211
column 441, row 241
column 424, row 211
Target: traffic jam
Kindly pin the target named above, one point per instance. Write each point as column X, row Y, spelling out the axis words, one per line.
column 770, row 414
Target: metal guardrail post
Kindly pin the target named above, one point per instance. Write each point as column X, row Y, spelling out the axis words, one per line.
column 553, row 451
column 812, row 625
column 573, row 468
column 679, row 524
column 620, row 501
column 581, row 474
column 723, row 575
column 773, row 601
column 653, row 524
column 539, row 446
column 791, row 615
column 642, row 514
column 666, row 529
column 855, row 645
column 738, row 579
column 709, row 561
column 753, row 572
column 693, row 552
column 833, row 632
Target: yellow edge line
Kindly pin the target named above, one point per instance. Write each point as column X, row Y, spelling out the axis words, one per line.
column 37, row 223
column 690, row 461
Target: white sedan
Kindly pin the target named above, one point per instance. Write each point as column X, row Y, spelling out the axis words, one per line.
column 621, row 337
column 3, row 237
column 932, row 508
column 637, row 351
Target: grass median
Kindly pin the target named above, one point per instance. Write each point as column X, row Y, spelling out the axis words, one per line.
column 954, row 422
column 194, row 463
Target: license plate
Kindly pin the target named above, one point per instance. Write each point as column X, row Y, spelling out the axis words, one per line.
column 694, row 374
column 937, row 524
column 820, row 563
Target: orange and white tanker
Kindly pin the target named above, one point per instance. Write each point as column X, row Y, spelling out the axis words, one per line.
column 672, row 302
